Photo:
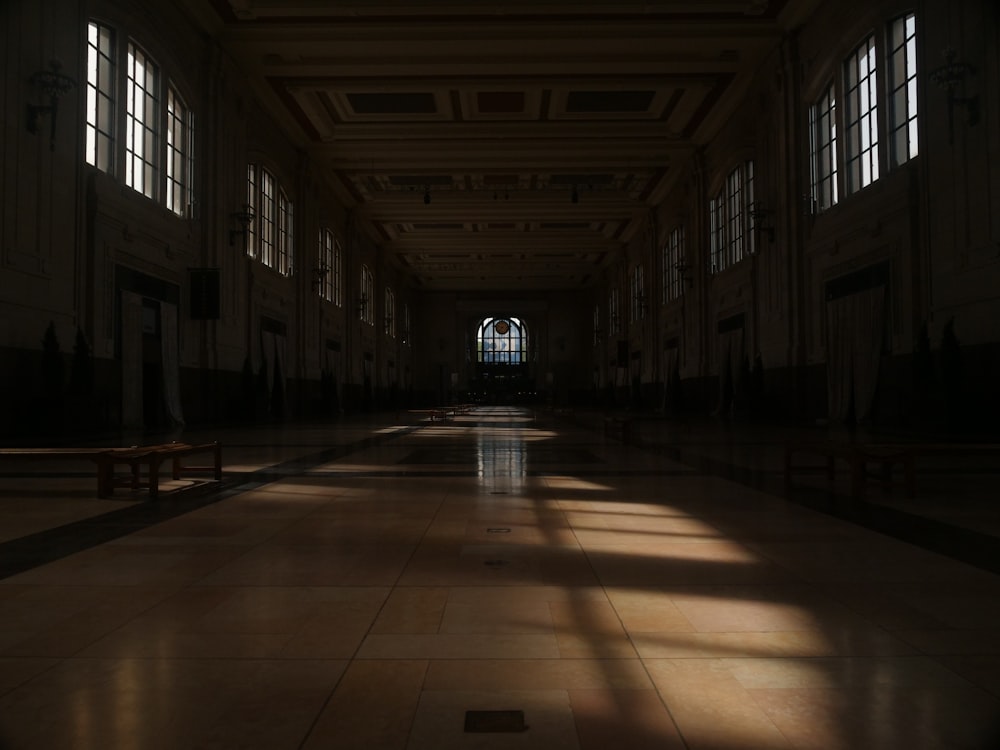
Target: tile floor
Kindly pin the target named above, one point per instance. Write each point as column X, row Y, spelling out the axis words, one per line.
column 367, row 583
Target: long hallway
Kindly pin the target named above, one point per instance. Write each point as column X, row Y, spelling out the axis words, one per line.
column 503, row 579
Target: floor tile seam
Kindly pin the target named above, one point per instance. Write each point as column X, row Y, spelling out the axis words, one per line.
column 354, row 658
column 111, row 658
column 631, row 641
column 57, row 662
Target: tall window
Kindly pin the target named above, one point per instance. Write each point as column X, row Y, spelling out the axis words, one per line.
column 337, row 271
column 180, row 154
column 637, row 299
column 716, row 232
column 823, row 148
column 142, row 113
column 734, row 217
column 264, row 252
column 406, row 323
column 366, row 302
column 902, row 89
column 502, row 341
column 731, row 219
column 749, row 210
column 614, row 312
column 269, row 236
column 284, row 240
column 327, row 243
column 861, row 116
column 390, row 313
column 100, row 132
column 673, row 265
column 253, row 208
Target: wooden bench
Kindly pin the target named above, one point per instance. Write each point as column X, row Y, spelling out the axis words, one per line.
column 443, row 412
column 433, row 414
column 107, row 460
column 884, row 457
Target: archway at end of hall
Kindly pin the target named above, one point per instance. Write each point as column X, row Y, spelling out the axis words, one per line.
column 502, row 372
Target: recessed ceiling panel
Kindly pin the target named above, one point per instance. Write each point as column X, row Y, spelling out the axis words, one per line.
column 405, row 103
column 500, row 102
column 609, row 101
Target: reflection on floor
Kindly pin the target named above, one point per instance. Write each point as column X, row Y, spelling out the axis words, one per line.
column 370, row 584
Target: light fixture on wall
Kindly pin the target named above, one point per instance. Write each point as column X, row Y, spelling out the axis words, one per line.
column 951, row 77
column 51, row 84
column 318, row 275
column 682, row 269
column 243, row 218
column 761, row 223
column 387, row 324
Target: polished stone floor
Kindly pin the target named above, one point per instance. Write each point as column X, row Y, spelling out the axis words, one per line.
column 367, row 584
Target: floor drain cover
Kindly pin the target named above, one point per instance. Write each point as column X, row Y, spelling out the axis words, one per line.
column 495, row 721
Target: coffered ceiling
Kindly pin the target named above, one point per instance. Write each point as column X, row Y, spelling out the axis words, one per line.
column 501, row 146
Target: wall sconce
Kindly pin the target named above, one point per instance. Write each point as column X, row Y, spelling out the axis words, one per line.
column 951, row 77
column 244, row 218
column 387, row 324
column 52, row 84
column 759, row 215
column 318, row 274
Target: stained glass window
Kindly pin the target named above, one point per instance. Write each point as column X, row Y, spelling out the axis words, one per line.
column 502, row 341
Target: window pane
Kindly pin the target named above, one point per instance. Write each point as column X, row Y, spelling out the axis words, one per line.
column 903, row 93
column 141, row 111
column 862, row 155
column 99, row 120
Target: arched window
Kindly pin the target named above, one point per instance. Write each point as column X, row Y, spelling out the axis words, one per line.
column 502, row 341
